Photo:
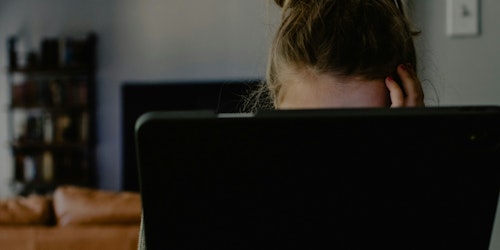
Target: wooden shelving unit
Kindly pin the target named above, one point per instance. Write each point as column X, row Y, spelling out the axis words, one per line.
column 52, row 115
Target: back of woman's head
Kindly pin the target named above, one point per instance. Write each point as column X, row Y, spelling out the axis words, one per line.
column 344, row 38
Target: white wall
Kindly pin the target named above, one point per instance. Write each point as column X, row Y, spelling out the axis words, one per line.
column 465, row 71
column 141, row 40
column 192, row 39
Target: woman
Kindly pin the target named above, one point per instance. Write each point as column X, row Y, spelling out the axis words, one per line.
column 332, row 53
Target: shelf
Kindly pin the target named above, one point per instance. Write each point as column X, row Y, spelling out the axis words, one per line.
column 51, row 109
column 51, row 113
column 53, row 71
column 42, row 146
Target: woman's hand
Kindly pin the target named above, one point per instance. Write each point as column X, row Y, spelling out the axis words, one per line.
column 410, row 93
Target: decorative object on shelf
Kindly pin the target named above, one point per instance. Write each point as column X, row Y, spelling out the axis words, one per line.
column 52, row 113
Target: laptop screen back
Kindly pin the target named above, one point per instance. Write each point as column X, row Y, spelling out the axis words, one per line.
column 305, row 179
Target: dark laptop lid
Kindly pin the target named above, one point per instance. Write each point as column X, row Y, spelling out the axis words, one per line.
column 336, row 179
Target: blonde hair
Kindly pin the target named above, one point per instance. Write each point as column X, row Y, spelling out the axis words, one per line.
column 362, row 38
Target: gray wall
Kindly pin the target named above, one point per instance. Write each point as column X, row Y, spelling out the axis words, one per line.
column 213, row 39
column 189, row 39
column 464, row 71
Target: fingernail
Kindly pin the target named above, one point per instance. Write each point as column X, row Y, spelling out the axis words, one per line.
column 403, row 67
column 390, row 78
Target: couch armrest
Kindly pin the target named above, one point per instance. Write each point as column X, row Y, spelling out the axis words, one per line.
column 31, row 210
column 74, row 238
column 86, row 206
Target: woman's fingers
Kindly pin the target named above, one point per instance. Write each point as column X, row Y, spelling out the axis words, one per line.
column 410, row 93
column 395, row 92
column 412, row 89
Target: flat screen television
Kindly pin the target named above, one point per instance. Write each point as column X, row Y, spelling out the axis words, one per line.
column 221, row 96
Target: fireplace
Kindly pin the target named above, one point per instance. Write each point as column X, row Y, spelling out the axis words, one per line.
column 222, row 96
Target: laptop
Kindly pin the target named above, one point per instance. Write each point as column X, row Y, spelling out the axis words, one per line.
column 361, row 178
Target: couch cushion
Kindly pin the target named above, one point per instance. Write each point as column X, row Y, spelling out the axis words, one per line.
column 84, row 206
column 20, row 210
column 107, row 237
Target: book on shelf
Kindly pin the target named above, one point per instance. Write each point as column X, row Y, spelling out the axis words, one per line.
column 50, row 93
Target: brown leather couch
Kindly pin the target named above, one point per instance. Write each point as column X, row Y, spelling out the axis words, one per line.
column 73, row 218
